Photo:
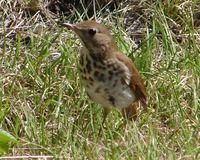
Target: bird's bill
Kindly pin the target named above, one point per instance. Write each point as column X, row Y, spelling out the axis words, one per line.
column 70, row 26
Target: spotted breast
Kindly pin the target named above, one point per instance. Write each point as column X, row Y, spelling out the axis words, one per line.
column 106, row 81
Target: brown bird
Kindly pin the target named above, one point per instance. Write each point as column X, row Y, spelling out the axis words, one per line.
column 110, row 78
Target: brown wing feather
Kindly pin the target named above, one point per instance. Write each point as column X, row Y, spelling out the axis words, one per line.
column 136, row 81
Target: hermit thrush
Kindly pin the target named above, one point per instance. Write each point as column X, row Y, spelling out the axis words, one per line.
column 110, row 78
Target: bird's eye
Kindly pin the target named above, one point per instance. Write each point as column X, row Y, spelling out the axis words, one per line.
column 92, row 31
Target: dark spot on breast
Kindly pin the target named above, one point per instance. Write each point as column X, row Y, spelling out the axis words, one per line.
column 96, row 73
column 95, row 64
column 87, row 86
column 81, row 60
column 115, row 69
column 88, row 66
column 97, row 58
column 91, row 80
column 115, row 83
column 106, row 90
column 112, row 100
column 110, row 73
column 87, row 59
column 84, row 77
column 98, row 66
column 110, row 78
column 100, row 76
column 84, row 70
column 98, row 90
column 80, row 70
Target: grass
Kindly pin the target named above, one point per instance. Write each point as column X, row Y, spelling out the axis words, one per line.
column 44, row 106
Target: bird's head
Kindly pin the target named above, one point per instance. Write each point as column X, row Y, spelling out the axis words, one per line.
column 94, row 36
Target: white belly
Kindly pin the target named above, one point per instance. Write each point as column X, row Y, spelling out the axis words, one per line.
column 118, row 97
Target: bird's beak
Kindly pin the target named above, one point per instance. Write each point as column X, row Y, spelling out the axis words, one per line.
column 71, row 27
column 74, row 28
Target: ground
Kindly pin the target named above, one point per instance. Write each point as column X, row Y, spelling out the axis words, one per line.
column 42, row 101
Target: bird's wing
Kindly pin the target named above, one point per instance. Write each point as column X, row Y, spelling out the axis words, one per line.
column 136, row 82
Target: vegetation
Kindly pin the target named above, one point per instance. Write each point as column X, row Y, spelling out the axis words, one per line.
column 43, row 103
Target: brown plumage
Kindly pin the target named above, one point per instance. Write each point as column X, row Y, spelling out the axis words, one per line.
column 109, row 76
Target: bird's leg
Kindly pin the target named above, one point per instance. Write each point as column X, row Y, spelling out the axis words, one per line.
column 130, row 112
column 106, row 111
